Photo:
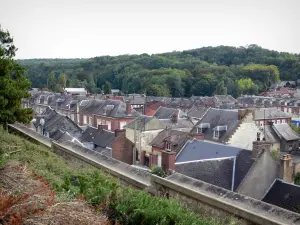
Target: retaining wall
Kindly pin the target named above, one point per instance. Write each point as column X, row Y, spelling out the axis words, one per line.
column 199, row 196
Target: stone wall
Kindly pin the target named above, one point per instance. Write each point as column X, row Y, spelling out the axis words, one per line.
column 199, row 196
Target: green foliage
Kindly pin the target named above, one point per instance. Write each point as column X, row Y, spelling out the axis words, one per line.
column 246, row 85
column 159, row 171
column 72, row 179
column 221, row 89
column 297, row 179
column 296, row 129
column 13, row 84
column 275, row 154
column 192, row 72
column 107, row 88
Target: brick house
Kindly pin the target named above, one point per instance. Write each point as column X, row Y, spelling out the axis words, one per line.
column 263, row 116
column 113, row 113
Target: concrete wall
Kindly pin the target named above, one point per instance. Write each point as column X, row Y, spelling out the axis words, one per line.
column 260, row 177
column 199, row 196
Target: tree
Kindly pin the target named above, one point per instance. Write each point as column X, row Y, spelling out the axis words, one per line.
column 13, row 84
column 51, row 81
column 107, row 88
column 246, row 86
column 221, row 89
column 62, row 80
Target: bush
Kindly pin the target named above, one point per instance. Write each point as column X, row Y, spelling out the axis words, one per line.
column 297, row 179
column 159, row 171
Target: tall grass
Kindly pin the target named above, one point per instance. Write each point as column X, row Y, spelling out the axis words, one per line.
column 102, row 191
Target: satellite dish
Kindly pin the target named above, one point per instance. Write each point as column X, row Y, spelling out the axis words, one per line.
column 42, row 122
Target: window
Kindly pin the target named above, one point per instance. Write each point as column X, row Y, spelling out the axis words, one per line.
column 283, row 121
column 91, row 120
column 84, row 119
column 216, row 134
column 199, row 130
column 108, row 123
column 122, row 124
column 168, row 147
column 278, row 121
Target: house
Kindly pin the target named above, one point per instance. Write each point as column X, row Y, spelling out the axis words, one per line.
column 142, row 130
column 113, row 113
column 99, row 139
column 136, row 101
column 263, row 116
column 224, row 101
column 51, row 122
column 115, row 92
column 167, row 140
column 167, row 113
column 76, row 91
column 289, row 139
column 217, row 124
column 151, row 107
column 218, row 164
column 183, row 104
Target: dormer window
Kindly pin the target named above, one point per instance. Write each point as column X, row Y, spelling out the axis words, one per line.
column 199, row 130
column 216, row 134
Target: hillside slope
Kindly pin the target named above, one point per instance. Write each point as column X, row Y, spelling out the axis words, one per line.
column 186, row 73
column 57, row 190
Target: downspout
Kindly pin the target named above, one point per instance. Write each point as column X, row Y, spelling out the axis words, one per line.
column 233, row 174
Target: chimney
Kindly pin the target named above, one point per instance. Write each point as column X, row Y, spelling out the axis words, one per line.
column 119, row 132
column 168, row 160
column 259, row 146
column 102, row 127
column 174, row 118
column 128, row 108
column 286, row 168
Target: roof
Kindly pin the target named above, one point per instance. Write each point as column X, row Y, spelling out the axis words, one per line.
column 135, row 99
column 225, row 98
column 202, row 150
column 197, row 112
column 285, row 131
column 107, row 151
column 166, row 113
column 218, row 117
column 270, row 134
column 102, row 138
column 174, row 136
column 185, row 124
column 284, row 195
column 75, row 90
column 140, row 121
column 216, row 172
column 269, row 113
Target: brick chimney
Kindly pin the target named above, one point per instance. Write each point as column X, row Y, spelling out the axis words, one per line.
column 128, row 108
column 168, row 160
column 120, row 132
column 286, row 168
column 259, row 146
column 174, row 118
column 102, row 127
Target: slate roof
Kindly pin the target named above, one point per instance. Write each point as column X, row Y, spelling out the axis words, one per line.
column 135, row 99
column 166, row 113
column 55, row 121
column 216, row 172
column 218, row 117
column 270, row 134
column 269, row 113
column 243, row 163
column 180, row 102
column 101, row 138
column 285, row 131
column 284, row 195
column 140, row 121
column 109, row 108
column 185, row 124
column 225, row 98
column 177, row 137
column 197, row 112
column 105, row 151
column 200, row 150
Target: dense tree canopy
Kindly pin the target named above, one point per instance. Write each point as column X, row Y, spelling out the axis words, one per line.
column 13, row 84
column 203, row 71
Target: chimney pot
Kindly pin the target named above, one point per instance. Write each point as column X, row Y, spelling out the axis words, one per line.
column 128, row 108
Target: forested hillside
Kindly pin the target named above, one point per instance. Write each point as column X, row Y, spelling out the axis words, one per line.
column 204, row 71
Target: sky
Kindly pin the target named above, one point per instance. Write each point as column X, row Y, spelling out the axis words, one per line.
column 89, row 28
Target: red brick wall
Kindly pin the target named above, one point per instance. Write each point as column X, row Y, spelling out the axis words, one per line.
column 122, row 148
column 168, row 160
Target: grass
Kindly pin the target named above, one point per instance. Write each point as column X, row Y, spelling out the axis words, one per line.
column 70, row 180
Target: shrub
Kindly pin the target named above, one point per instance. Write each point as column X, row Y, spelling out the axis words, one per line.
column 159, row 171
column 297, row 179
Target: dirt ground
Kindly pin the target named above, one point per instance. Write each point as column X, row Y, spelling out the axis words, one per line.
column 27, row 199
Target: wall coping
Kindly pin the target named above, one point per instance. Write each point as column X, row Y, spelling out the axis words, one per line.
column 243, row 206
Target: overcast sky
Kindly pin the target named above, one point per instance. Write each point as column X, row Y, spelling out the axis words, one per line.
column 88, row 28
